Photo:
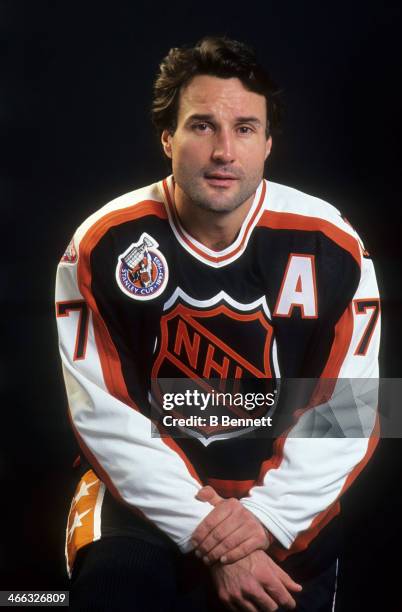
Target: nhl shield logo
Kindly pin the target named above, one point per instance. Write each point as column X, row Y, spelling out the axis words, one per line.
column 142, row 271
column 217, row 345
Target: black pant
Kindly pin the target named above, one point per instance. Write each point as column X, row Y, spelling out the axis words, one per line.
column 133, row 575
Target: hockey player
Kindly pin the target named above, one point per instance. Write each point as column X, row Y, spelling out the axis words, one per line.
column 245, row 279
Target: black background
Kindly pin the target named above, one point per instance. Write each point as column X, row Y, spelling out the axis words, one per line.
column 75, row 132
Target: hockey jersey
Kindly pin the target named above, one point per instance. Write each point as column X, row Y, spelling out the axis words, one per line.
column 138, row 300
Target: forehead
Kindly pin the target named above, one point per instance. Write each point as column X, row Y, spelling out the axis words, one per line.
column 206, row 94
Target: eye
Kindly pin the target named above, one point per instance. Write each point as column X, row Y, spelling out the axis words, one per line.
column 245, row 129
column 201, row 127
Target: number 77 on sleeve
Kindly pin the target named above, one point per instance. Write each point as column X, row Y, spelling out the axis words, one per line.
column 64, row 309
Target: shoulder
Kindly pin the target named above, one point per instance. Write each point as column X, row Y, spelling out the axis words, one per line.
column 288, row 200
column 133, row 205
column 289, row 208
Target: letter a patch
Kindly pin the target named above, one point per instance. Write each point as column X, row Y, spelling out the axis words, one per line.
column 298, row 288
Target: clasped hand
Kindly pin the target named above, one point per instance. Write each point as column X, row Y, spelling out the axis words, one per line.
column 232, row 540
column 230, row 532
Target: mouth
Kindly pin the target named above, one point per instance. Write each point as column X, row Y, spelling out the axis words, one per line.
column 218, row 179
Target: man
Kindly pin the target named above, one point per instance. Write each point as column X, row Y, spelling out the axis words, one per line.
column 213, row 273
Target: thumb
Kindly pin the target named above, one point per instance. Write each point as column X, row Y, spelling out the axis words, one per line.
column 208, row 494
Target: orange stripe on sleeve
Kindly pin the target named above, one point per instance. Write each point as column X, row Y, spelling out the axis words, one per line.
column 109, row 357
column 110, row 360
column 321, row 520
column 292, row 221
column 322, row 393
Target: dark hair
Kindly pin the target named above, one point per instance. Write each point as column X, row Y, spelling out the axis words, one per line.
column 215, row 56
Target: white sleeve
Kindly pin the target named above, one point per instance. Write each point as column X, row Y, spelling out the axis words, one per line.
column 148, row 473
column 307, row 476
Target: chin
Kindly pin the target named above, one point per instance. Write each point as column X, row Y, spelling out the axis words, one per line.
column 219, row 207
column 219, row 202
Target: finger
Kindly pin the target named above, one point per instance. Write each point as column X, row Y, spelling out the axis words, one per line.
column 232, row 606
column 208, row 494
column 243, row 549
column 263, row 601
column 221, row 539
column 280, row 594
column 286, row 579
column 235, row 547
column 245, row 605
column 232, row 600
column 227, row 600
column 212, row 520
column 229, row 534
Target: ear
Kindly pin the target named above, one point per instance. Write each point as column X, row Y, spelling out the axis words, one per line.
column 268, row 147
column 166, row 139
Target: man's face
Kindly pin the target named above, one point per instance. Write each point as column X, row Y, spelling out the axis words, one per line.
column 219, row 147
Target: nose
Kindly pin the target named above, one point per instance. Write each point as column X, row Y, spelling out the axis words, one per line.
column 224, row 147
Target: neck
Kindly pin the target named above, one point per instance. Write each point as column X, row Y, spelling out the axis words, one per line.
column 214, row 230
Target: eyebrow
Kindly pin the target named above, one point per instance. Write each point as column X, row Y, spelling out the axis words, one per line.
column 209, row 117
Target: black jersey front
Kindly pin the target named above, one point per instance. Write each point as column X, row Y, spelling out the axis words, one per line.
column 293, row 297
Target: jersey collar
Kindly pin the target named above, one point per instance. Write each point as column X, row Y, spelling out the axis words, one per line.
column 213, row 258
